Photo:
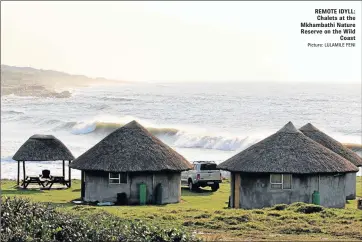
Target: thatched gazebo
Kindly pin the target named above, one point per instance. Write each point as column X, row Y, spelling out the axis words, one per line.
column 43, row 148
column 335, row 146
column 287, row 167
column 126, row 159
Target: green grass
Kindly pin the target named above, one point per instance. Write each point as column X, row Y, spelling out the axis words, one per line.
column 359, row 186
column 207, row 214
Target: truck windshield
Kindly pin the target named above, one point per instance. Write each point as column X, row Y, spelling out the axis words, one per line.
column 208, row 167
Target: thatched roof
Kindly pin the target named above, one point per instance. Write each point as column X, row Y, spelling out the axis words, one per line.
column 288, row 151
column 43, row 148
column 131, row 148
column 332, row 144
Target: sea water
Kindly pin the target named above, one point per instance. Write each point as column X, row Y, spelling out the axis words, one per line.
column 202, row 121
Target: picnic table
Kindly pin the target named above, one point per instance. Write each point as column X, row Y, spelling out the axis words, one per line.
column 33, row 180
column 45, row 183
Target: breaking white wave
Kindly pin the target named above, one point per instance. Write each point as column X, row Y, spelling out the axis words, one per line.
column 182, row 137
column 218, row 142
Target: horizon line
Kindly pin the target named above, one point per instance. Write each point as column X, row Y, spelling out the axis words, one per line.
column 187, row 81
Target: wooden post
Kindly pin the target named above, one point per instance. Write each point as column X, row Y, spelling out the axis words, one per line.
column 64, row 169
column 18, row 181
column 237, row 184
column 82, row 191
column 153, row 189
column 23, row 170
column 69, row 174
column 232, row 189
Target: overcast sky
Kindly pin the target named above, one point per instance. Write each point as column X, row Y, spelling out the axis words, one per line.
column 177, row 41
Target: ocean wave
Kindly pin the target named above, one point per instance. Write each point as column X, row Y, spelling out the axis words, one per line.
column 10, row 112
column 108, row 127
column 116, row 99
column 176, row 136
column 10, row 97
column 217, row 142
column 172, row 136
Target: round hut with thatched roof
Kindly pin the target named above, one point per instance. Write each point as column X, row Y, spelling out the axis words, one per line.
column 43, row 148
column 335, row 146
column 287, row 167
column 132, row 164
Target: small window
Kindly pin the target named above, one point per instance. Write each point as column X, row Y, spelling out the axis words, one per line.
column 281, row 181
column 117, row 178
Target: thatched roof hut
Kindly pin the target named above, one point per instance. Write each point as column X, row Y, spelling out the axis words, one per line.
column 287, row 167
column 288, row 151
column 330, row 143
column 131, row 161
column 318, row 136
column 43, row 148
column 131, row 148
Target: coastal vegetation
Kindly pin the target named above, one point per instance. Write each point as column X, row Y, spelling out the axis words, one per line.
column 23, row 220
column 206, row 215
column 27, row 81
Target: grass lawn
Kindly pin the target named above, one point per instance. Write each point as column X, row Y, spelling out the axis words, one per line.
column 359, row 186
column 207, row 214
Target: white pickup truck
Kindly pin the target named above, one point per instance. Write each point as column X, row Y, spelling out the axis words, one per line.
column 204, row 174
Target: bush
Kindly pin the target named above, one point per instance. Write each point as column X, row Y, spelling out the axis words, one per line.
column 22, row 220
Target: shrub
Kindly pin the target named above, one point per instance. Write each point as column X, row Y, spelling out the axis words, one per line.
column 22, row 220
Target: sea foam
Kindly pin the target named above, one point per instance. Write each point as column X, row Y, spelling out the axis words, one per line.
column 178, row 137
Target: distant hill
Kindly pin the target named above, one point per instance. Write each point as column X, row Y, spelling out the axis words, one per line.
column 27, row 81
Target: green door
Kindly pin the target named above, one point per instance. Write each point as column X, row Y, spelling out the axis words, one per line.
column 316, row 198
column 143, row 193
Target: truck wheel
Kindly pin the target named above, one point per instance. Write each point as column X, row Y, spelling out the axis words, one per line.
column 215, row 187
column 191, row 186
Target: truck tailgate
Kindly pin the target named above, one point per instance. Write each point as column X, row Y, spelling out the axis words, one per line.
column 213, row 175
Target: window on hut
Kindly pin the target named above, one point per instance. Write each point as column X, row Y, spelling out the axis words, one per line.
column 281, row 181
column 117, row 178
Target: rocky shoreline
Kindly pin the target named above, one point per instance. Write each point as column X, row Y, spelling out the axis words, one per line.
column 27, row 81
column 33, row 90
